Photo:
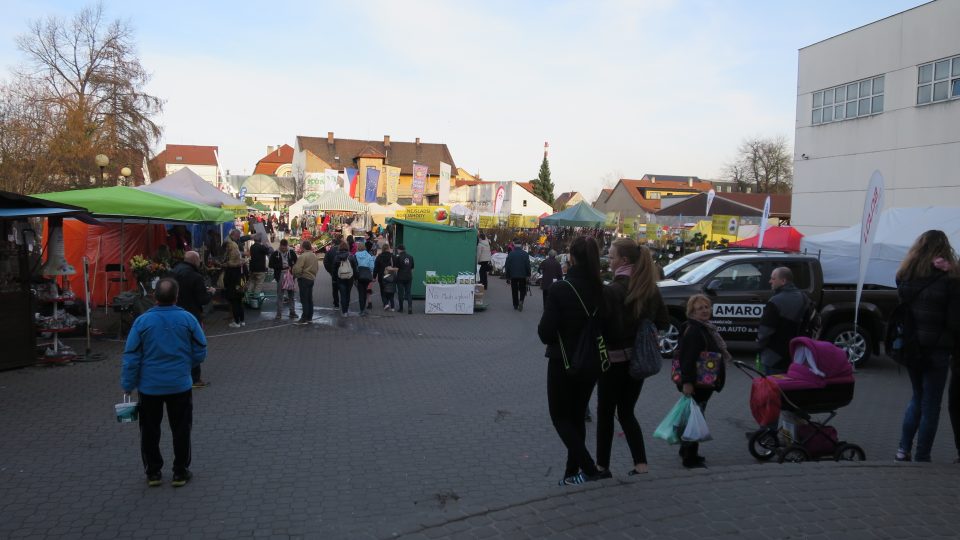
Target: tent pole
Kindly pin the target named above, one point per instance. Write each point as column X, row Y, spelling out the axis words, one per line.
column 123, row 278
column 86, row 299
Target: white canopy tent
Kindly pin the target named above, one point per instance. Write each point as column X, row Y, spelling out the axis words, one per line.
column 298, row 208
column 897, row 230
column 379, row 213
column 187, row 185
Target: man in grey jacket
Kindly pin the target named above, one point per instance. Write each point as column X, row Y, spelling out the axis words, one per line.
column 781, row 322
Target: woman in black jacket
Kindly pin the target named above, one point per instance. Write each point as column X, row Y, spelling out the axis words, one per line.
column 563, row 320
column 344, row 283
column 927, row 280
column 699, row 336
column 631, row 297
column 387, row 280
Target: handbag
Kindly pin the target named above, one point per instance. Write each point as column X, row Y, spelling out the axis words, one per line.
column 646, row 359
column 708, row 369
column 364, row 273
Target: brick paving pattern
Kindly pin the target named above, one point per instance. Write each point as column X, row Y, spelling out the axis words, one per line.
column 425, row 427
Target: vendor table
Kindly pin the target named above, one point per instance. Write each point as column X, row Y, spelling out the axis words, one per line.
column 449, row 299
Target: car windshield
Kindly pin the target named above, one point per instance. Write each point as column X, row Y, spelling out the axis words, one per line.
column 702, row 271
column 669, row 269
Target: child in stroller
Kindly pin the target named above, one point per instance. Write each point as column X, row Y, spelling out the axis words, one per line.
column 819, row 381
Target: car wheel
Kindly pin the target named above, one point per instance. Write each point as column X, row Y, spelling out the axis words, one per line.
column 855, row 342
column 670, row 337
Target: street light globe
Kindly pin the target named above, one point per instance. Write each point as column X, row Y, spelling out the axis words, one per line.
column 102, row 160
column 125, row 172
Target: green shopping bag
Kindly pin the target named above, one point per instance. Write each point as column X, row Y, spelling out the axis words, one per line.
column 672, row 425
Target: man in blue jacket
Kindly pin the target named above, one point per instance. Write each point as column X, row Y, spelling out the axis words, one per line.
column 164, row 344
column 517, row 269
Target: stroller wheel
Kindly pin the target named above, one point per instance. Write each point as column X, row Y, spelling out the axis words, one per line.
column 849, row 452
column 794, row 454
column 763, row 444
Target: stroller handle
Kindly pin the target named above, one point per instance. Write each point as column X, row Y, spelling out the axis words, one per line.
column 747, row 369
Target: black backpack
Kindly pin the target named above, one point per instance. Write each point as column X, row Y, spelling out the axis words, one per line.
column 901, row 340
column 810, row 323
column 590, row 349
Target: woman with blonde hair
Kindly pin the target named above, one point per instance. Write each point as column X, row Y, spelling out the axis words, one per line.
column 632, row 296
column 927, row 281
column 699, row 336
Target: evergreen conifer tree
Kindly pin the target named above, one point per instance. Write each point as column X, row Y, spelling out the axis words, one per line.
column 543, row 186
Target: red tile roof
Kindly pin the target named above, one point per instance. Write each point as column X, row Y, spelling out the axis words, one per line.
column 780, row 205
column 269, row 163
column 187, row 154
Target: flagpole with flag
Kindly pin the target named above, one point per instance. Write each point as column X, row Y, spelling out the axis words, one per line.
column 872, row 206
column 763, row 222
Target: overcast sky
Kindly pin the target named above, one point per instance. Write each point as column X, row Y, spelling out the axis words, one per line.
column 617, row 87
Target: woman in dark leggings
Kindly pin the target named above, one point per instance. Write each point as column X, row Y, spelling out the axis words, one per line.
column 632, row 296
column 564, row 317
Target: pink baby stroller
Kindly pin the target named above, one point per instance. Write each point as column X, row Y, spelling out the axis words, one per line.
column 818, row 381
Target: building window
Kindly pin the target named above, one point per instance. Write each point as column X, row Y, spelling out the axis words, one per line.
column 938, row 81
column 847, row 101
column 653, row 195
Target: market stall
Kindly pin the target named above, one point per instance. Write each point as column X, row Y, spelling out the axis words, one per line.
column 449, row 253
column 785, row 238
column 19, row 258
column 579, row 215
column 342, row 208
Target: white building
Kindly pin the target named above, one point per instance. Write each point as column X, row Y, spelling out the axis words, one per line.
column 884, row 97
column 202, row 160
column 517, row 199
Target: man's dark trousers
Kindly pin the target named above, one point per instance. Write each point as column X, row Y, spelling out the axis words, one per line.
column 306, row 298
column 180, row 416
column 518, row 290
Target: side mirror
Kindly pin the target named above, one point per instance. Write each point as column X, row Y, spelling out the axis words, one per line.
column 712, row 287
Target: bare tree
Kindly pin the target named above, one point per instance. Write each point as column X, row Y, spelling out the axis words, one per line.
column 25, row 136
column 86, row 74
column 766, row 164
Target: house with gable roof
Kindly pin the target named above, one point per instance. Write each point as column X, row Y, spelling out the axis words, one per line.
column 277, row 162
column 316, row 154
column 643, row 196
column 199, row 159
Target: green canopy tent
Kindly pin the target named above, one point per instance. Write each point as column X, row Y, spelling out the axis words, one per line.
column 579, row 215
column 131, row 206
column 446, row 250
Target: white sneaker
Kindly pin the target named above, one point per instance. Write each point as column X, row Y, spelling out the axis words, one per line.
column 243, row 323
column 234, row 325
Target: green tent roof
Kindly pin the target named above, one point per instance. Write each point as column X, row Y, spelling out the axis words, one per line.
column 579, row 215
column 428, row 226
column 124, row 202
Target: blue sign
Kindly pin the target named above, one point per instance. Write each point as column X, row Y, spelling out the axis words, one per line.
column 243, row 193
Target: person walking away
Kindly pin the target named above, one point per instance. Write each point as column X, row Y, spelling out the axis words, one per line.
column 281, row 262
column 632, row 297
column 345, row 266
column 232, row 278
column 385, row 272
column 560, row 328
column 365, row 266
column 193, row 295
column 404, row 278
column 163, row 345
column 517, row 269
column 550, row 272
column 371, row 248
column 483, row 258
column 259, row 252
column 927, row 281
column 305, row 270
column 329, row 264
column 699, row 335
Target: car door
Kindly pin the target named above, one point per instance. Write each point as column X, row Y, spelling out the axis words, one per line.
column 739, row 290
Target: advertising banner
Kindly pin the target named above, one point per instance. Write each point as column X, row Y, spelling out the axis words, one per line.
column 488, row 222
column 613, row 219
column 419, row 182
column 498, row 200
column 439, row 215
column 443, row 185
column 531, row 222
column 710, row 196
column 515, row 221
column 725, row 225
column 331, row 179
column 872, row 206
column 373, row 181
column 764, row 222
column 313, row 186
column 392, row 175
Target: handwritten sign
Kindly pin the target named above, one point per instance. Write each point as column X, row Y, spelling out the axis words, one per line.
column 449, row 299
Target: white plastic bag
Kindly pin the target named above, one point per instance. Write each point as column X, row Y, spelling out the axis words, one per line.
column 696, row 430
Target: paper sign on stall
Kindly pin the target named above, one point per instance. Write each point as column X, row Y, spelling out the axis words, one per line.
column 449, row 299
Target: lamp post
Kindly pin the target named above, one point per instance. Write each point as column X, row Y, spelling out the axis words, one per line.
column 125, row 175
column 102, row 161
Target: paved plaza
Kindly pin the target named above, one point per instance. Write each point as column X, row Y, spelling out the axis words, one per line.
column 417, row 426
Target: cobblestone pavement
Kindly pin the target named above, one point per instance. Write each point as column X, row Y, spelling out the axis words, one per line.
column 426, row 426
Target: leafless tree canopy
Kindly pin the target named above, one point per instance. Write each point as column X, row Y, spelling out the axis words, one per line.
column 763, row 164
column 79, row 93
column 299, row 182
